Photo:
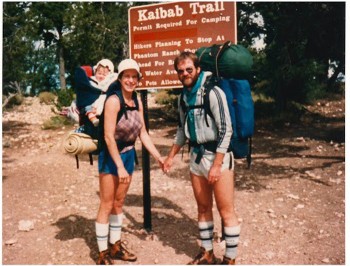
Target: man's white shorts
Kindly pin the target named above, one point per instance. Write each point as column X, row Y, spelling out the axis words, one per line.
column 202, row 169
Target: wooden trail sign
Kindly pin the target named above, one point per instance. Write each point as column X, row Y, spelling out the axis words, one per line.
column 159, row 32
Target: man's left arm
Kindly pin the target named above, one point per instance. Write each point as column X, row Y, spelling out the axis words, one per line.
column 222, row 118
column 220, row 111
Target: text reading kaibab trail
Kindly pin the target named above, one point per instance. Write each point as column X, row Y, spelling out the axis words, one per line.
column 177, row 11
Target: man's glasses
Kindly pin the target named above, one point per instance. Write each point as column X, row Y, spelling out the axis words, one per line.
column 189, row 70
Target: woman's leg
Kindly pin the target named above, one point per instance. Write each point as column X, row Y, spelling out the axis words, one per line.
column 116, row 217
column 107, row 192
column 108, row 187
column 119, row 251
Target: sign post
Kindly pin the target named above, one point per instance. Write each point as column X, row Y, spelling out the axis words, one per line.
column 158, row 33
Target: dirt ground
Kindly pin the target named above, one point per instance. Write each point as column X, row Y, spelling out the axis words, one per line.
column 291, row 202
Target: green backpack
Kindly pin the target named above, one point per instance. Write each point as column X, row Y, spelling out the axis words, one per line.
column 235, row 60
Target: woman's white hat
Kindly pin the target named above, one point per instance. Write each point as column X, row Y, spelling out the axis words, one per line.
column 128, row 64
column 105, row 63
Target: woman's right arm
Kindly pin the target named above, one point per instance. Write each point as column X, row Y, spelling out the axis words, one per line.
column 112, row 107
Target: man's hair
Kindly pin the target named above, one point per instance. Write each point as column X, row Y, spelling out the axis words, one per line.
column 184, row 55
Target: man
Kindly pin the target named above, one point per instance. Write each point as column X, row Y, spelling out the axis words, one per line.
column 211, row 166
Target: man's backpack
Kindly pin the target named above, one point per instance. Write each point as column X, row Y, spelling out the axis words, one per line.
column 227, row 60
column 241, row 108
column 238, row 95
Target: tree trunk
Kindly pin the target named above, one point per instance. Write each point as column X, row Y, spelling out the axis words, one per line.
column 62, row 68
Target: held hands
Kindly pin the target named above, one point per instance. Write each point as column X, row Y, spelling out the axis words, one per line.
column 167, row 165
column 161, row 162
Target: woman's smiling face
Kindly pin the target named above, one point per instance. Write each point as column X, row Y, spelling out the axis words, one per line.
column 130, row 79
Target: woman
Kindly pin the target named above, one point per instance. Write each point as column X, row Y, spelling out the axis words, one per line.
column 116, row 162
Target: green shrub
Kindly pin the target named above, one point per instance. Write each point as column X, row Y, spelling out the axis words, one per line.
column 56, row 122
column 16, row 100
column 167, row 97
column 64, row 98
column 47, row 97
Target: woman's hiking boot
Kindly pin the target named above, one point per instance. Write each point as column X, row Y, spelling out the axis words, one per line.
column 119, row 251
column 228, row 261
column 104, row 258
column 204, row 258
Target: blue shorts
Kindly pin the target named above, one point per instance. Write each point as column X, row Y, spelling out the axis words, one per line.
column 106, row 164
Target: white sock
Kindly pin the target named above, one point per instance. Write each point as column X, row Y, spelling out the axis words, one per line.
column 232, row 238
column 102, row 236
column 115, row 227
column 206, row 234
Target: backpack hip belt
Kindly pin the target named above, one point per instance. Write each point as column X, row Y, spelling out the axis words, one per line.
column 123, row 144
column 202, row 147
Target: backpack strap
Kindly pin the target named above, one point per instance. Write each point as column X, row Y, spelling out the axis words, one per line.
column 208, row 85
column 186, row 108
column 124, row 107
column 218, row 51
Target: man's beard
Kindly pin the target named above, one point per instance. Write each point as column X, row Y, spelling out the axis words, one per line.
column 190, row 82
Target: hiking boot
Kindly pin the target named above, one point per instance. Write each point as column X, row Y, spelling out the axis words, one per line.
column 228, row 261
column 120, row 252
column 204, row 258
column 104, row 258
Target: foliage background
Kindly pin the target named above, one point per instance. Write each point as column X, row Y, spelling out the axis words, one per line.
column 43, row 42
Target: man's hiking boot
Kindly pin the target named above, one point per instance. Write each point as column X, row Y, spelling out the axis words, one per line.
column 120, row 252
column 104, row 258
column 204, row 258
column 228, row 261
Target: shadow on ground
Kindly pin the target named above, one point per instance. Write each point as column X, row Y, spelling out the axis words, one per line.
column 76, row 226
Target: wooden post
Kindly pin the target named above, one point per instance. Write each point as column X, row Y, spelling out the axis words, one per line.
column 147, row 216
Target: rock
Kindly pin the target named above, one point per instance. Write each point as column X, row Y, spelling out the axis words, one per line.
column 325, row 260
column 269, row 255
column 25, row 225
column 299, row 206
column 272, row 215
column 291, row 196
column 158, row 204
column 337, row 181
column 11, row 241
column 161, row 216
column 73, row 219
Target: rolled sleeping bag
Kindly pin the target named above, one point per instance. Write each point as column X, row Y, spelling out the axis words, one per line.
column 79, row 143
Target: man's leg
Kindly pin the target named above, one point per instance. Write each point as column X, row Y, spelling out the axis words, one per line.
column 224, row 196
column 204, row 197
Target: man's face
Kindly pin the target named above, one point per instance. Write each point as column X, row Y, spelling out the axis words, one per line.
column 187, row 73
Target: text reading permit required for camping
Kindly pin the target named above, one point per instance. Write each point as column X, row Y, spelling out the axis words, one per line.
column 159, row 32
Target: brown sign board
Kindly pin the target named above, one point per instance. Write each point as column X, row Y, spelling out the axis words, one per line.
column 159, row 32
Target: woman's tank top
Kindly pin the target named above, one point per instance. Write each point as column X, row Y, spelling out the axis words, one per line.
column 127, row 130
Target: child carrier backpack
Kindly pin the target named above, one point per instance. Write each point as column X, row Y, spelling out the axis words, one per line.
column 86, row 95
column 238, row 95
